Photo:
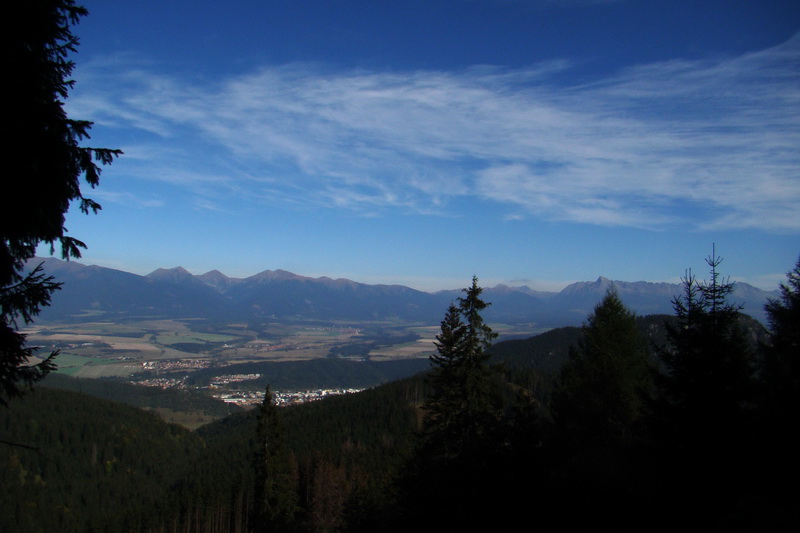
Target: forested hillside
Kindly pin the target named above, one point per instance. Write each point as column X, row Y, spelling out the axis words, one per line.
column 183, row 400
column 631, row 422
column 70, row 462
column 316, row 373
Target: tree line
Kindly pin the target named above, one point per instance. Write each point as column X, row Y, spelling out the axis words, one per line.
column 697, row 429
column 694, row 428
column 698, row 435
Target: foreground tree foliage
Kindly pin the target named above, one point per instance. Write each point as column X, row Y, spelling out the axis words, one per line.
column 461, row 409
column 604, row 387
column 778, row 426
column 274, row 490
column 21, row 298
column 781, row 365
column 461, row 471
column 44, row 163
column 708, row 389
column 594, row 469
column 704, row 425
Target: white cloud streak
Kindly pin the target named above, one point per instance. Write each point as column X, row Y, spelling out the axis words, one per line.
column 709, row 143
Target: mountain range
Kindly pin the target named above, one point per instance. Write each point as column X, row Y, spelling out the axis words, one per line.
column 91, row 292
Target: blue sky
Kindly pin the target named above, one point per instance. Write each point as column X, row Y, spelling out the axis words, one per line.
column 530, row 142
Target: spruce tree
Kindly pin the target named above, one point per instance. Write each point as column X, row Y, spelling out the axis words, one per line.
column 274, row 491
column 705, row 409
column 781, row 364
column 709, row 384
column 461, row 408
column 778, row 428
column 44, row 163
column 599, row 408
column 445, row 484
column 603, row 388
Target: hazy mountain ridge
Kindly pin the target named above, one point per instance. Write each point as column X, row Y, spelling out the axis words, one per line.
column 279, row 294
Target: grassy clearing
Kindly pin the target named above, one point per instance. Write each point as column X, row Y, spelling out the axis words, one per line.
column 111, row 370
column 193, row 338
column 409, row 350
column 72, row 365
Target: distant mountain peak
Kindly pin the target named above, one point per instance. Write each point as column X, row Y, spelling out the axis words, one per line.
column 605, row 284
column 601, row 284
column 217, row 280
column 501, row 288
column 179, row 270
column 276, row 275
column 174, row 275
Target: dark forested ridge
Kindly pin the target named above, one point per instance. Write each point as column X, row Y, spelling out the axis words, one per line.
column 90, row 292
column 328, row 373
column 70, row 462
column 184, row 400
column 547, row 352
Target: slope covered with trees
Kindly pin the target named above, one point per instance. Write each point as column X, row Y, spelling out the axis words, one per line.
column 180, row 400
column 70, row 462
column 492, row 436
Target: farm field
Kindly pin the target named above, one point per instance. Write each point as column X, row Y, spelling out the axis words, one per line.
column 194, row 355
column 186, row 357
column 104, row 349
column 150, row 348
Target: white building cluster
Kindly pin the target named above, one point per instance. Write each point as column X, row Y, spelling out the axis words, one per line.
column 248, row 398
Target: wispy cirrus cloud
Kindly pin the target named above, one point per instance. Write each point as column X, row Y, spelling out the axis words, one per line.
column 707, row 143
column 126, row 198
